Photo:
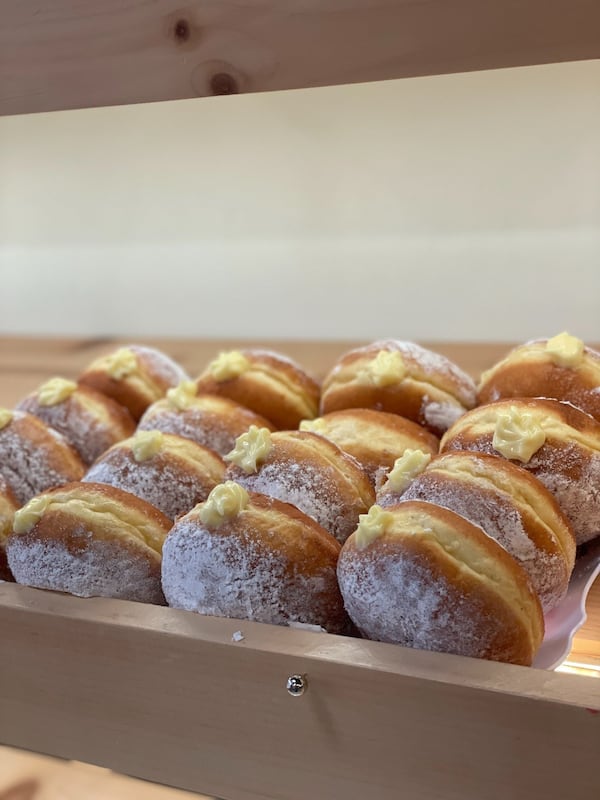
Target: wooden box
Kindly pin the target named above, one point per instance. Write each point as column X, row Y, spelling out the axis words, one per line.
column 169, row 696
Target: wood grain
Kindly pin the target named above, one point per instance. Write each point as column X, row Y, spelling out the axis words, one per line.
column 166, row 695
column 73, row 54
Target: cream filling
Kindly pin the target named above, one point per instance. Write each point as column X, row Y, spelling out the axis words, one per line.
column 536, row 353
column 483, row 423
column 470, row 558
column 519, row 493
column 112, row 516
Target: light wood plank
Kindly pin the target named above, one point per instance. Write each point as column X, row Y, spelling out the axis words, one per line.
column 167, row 695
column 24, row 776
column 73, row 54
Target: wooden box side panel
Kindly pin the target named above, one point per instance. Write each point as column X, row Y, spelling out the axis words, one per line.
column 167, row 696
column 71, row 54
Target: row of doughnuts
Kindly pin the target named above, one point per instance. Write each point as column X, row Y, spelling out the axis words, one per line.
column 411, row 395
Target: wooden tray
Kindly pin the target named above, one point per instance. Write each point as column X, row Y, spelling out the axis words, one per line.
column 169, row 696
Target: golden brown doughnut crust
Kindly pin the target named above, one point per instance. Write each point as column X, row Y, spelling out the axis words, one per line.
column 153, row 373
column 374, row 438
column 269, row 563
column 434, row 581
column 91, row 422
column 530, row 371
column 510, row 505
column 567, row 463
column 8, row 506
column 34, row 457
column 313, row 474
column 431, row 391
column 272, row 386
column 181, row 474
column 91, row 540
column 210, row 420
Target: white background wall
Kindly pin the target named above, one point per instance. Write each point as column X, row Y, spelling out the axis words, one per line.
column 452, row 207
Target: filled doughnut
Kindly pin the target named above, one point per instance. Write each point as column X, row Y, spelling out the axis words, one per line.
column 401, row 378
column 375, row 438
column 134, row 376
column 8, row 506
column 555, row 441
column 91, row 422
column 421, row 576
column 267, row 383
column 507, row 502
column 33, row 456
column 168, row 471
column 89, row 540
column 208, row 419
column 306, row 470
column 246, row 556
column 562, row 368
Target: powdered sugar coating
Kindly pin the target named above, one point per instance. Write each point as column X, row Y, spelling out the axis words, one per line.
column 165, row 370
column 169, row 485
column 206, row 427
column 97, row 569
column 579, row 499
column 33, row 463
column 314, row 490
column 440, row 416
column 88, row 432
column 431, row 364
column 394, row 595
column 242, row 578
column 495, row 512
column 570, row 473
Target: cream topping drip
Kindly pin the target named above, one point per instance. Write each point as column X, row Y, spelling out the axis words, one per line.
column 6, row 416
column 182, row 396
column 228, row 365
column 386, row 369
column 371, row 526
column 31, row 513
column 224, row 502
column 518, row 435
column 121, row 363
column 146, row 444
column 55, row 391
column 565, row 350
column 251, row 448
column 410, row 464
column 317, row 425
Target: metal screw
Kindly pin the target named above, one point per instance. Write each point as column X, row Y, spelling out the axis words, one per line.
column 296, row 685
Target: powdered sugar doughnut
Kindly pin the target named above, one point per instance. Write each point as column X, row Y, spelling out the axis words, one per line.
column 212, row 421
column 306, row 470
column 509, row 504
column 246, row 556
column 89, row 540
column 562, row 368
column 8, row 506
column 268, row 383
column 402, row 378
column 375, row 438
column 134, row 376
column 91, row 422
column 421, row 576
column 34, row 457
column 168, row 471
column 555, row 441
